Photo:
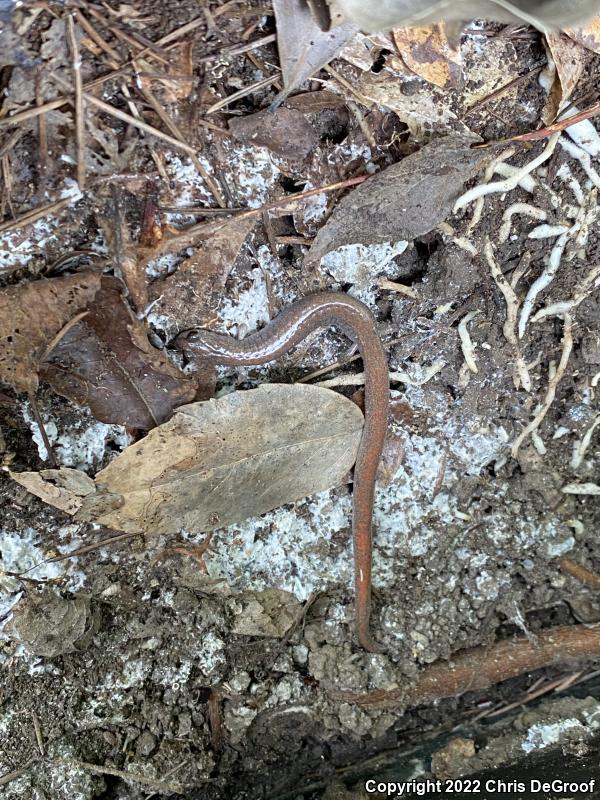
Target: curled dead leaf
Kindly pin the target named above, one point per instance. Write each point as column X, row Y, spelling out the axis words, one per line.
column 31, row 316
column 106, row 362
column 405, row 200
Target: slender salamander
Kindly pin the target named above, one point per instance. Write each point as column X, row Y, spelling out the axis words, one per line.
column 292, row 325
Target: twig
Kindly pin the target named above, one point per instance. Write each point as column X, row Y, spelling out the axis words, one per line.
column 554, row 380
column 40, row 423
column 583, row 575
column 225, row 101
column 79, row 107
column 171, row 125
column 38, row 733
column 136, row 777
column 135, row 40
column 88, row 548
column 137, row 123
column 37, row 213
column 392, row 286
column 42, row 130
column 8, row 777
column 507, row 86
column 481, row 667
column 557, row 127
column 239, row 49
column 115, row 58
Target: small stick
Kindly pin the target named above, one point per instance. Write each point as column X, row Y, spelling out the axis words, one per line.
column 38, row 418
column 484, row 666
column 37, row 213
column 237, row 50
column 580, row 573
column 115, row 58
column 135, row 40
column 42, row 129
column 79, row 107
column 507, row 86
column 38, row 733
column 172, row 126
column 138, row 123
column 136, row 777
column 8, row 777
column 225, row 101
column 556, row 127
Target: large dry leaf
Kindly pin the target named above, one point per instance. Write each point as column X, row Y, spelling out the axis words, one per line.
column 388, row 14
column 427, row 52
column 222, row 461
column 405, row 200
column 588, row 36
column 106, row 362
column 31, row 315
column 569, row 60
column 303, row 47
column 190, row 295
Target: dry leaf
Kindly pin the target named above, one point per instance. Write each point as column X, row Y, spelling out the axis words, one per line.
column 404, row 201
column 545, row 14
column 294, row 129
column 588, row 36
column 190, row 295
column 423, row 108
column 62, row 488
column 50, row 625
column 570, row 60
column 303, row 47
column 106, row 362
column 427, row 52
column 222, row 461
column 31, row 315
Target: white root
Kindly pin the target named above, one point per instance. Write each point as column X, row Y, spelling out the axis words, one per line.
column 583, row 133
column 538, row 443
column 543, row 281
column 468, row 349
column 508, row 183
column 589, row 283
column 392, row 286
column 528, row 183
column 518, row 208
column 564, row 174
column 555, row 377
column 586, row 162
column 421, row 375
column 510, row 324
column 580, row 447
column 547, row 231
column 488, row 175
column 581, row 488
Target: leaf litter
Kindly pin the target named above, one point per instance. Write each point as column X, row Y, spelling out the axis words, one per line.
column 446, row 476
column 216, row 463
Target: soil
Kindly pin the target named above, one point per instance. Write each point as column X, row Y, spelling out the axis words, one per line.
column 131, row 670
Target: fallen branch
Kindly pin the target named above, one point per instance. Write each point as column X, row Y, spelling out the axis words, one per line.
column 481, row 667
